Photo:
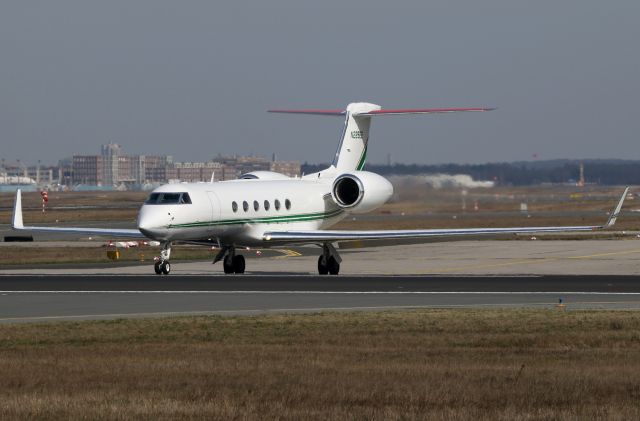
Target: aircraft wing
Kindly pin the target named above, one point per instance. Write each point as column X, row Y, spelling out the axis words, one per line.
column 17, row 224
column 382, row 237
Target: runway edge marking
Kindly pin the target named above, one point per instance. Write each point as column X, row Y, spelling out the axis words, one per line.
column 7, row 292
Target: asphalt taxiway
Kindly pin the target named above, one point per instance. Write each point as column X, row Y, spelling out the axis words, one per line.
column 65, row 297
column 581, row 274
column 488, row 257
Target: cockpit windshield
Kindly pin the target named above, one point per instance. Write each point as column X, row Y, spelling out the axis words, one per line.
column 168, row 199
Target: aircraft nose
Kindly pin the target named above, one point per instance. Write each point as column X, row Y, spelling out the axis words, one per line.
column 150, row 223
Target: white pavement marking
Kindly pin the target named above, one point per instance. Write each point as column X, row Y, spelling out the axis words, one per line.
column 329, row 292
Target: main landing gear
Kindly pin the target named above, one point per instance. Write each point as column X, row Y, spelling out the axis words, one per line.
column 231, row 262
column 329, row 261
column 162, row 265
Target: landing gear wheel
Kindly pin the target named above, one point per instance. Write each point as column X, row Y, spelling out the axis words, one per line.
column 238, row 264
column 156, row 268
column 227, row 264
column 165, row 267
column 322, row 267
column 333, row 266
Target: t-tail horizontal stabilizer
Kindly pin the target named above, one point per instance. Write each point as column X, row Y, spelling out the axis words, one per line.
column 352, row 150
column 400, row 111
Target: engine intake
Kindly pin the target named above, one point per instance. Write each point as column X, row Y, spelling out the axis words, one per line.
column 361, row 191
column 348, row 190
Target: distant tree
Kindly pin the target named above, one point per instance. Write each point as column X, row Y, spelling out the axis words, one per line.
column 605, row 172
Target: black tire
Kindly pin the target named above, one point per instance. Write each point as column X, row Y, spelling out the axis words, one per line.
column 322, row 268
column 156, row 268
column 333, row 266
column 227, row 265
column 165, row 267
column 238, row 264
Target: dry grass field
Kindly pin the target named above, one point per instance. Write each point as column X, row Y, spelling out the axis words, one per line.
column 69, row 207
column 17, row 255
column 431, row 364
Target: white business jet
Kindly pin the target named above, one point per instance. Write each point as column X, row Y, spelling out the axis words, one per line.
column 266, row 209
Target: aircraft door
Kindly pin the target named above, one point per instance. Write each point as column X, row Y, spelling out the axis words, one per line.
column 215, row 209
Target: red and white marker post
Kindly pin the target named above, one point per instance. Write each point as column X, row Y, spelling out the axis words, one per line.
column 45, row 199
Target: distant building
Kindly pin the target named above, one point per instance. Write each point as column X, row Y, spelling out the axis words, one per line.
column 246, row 164
column 157, row 169
column 111, row 154
column 290, row 168
column 88, row 169
column 196, row 171
column 112, row 168
column 65, row 171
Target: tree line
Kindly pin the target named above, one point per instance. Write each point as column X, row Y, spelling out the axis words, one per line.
column 603, row 172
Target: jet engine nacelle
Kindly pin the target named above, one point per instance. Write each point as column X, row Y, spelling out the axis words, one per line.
column 361, row 191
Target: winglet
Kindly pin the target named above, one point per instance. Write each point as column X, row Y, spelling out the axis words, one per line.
column 616, row 211
column 16, row 221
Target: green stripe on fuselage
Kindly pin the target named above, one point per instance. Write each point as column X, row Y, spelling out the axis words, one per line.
column 263, row 220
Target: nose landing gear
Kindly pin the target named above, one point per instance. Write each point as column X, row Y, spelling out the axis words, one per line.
column 162, row 265
column 162, row 268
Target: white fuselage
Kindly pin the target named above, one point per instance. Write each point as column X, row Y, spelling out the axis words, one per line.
column 238, row 212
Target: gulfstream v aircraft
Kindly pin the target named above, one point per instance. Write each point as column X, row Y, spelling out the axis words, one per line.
column 265, row 209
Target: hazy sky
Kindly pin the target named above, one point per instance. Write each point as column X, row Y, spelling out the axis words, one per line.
column 193, row 78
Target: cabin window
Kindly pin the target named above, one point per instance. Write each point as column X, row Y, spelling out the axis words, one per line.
column 276, row 203
column 168, row 199
column 287, row 204
column 234, row 207
column 245, row 206
column 256, row 205
column 153, row 199
column 266, row 205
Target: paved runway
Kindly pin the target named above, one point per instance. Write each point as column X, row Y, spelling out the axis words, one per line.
column 65, row 297
column 584, row 274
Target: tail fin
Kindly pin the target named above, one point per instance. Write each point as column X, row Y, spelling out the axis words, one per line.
column 352, row 150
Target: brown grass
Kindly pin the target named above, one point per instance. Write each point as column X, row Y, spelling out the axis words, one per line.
column 435, row 364
column 17, row 255
column 103, row 206
column 629, row 222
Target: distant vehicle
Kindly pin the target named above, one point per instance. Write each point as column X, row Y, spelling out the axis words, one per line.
column 266, row 209
column 15, row 180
